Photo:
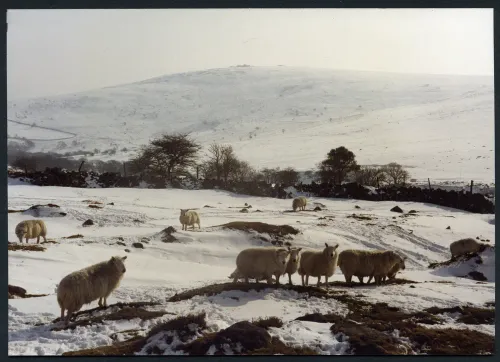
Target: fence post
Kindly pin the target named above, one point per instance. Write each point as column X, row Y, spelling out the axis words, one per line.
column 81, row 165
column 429, row 182
column 471, row 185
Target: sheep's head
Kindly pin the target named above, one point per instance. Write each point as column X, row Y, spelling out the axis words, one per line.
column 21, row 230
column 401, row 262
column 183, row 212
column 282, row 255
column 294, row 254
column 118, row 263
column 330, row 251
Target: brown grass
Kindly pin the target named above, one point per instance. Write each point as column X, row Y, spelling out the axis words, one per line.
column 469, row 315
column 361, row 217
column 13, row 211
column 49, row 242
column 76, row 236
column 395, row 281
column 268, row 322
column 92, row 202
column 93, row 206
column 25, row 247
column 18, row 292
column 260, row 227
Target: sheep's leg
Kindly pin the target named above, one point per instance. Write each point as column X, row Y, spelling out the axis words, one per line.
column 62, row 314
column 277, row 279
column 38, row 239
column 193, row 226
column 44, row 238
column 246, row 280
column 20, row 239
column 369, row 279
column 290, row 278
column 361, row 280
column 307, row 279
column 302, row 278
column 199, row 226
column 269, row 280
column 27, row 240
column 69, row 313
column 99, row 303
column 319, row 281
column 326, row 281
column 348, row 279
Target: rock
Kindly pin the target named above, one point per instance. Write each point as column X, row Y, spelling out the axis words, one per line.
column 168, row 238
column 111, row 203
column 120, row 243
column 120, row 238
column 448, row 228
column 317, row 208
column 17, row 291
column 138, row 245
column 257, row 210
column 396, row 209
column 246, row 204
column 127, row 250
column 478, row 276
column 145, row 240
column 209, row 206
column 249, row 336
column 356, row 207
column 412, row 212
column 244, row 210
column 94, row 206
column 89, row 222
column 412, row 286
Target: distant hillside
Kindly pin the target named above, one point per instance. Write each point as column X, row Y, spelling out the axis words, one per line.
column 441, row 127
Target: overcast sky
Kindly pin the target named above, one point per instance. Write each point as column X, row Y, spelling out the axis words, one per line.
column 63, row 51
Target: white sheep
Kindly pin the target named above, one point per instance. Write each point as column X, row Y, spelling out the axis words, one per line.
column 293, row 263
column 318, row 263
column 261, row 263
column 88, row 284
column 189, row 218
column 299, row 203
column 31, row 229
column 368, row 263
column 464, row 246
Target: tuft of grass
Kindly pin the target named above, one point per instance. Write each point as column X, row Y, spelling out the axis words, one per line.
column 268, row 322
column 76, row 236
column 25, row 247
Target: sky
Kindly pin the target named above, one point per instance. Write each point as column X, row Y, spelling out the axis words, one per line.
column 52, row 52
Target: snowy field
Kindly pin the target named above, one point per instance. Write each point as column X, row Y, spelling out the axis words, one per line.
column 207, row 256
column 440, row 127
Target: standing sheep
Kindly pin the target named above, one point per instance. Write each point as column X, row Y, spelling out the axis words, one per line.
column 261, row 263
column 318, row 263
column 464, row 246
column 293, row 263
column 391, row 274
column 88, row 284
column 31, row 229
column 368, row 263
column 189, row 218
column 299, row 203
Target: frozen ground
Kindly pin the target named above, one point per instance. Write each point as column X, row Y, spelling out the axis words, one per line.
column 207, row 256
column 440, row 127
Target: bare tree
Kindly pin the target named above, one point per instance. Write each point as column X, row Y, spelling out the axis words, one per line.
column 170, row 153
column 289, row 176
column 337, row 165
column 370, row 176
column 25, row 163
column 215, row 159
column 243, row 171
column 229, row 162
column 396, row 174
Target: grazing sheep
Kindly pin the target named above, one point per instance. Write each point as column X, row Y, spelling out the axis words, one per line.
column 299, row 203
column 261, row 263
column 368, row 263
column 189, row 218
column 390, row 275
column 464, row 246
column 318, row 263
column 293, row 263
column 31, row 229
column 88, row 284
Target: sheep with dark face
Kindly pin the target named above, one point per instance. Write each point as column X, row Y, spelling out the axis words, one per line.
column 318, row 264
column 94, row 282
column 293, row 263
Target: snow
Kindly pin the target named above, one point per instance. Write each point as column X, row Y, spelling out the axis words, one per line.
column 439, row 127
column 207, row 256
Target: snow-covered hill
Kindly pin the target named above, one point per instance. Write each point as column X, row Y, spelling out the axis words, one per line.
column 207, row 255
column 439, row 126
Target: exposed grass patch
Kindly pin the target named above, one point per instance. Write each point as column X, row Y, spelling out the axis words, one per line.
column 14, row 211
column 25, row 247
column 92, row 202
column 16, row 292
column 361, row 217
column 395, row 281
column 261, row 227
column 268, row 322
column 94, row 206
column 49, row 242
column 469, row 315
column 76, row 236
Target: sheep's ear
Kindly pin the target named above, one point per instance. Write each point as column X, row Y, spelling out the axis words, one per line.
column 289, row 249
column 125, row 257
column 326, row 244
column 299, row 249
column 405, row 257
column 335, row 247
